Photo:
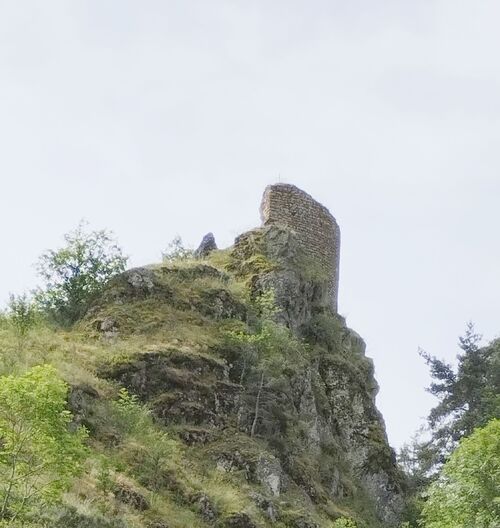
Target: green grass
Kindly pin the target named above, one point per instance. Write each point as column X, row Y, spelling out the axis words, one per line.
column 77, row 354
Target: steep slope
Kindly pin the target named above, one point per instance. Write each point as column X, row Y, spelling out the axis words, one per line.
column 262, row 383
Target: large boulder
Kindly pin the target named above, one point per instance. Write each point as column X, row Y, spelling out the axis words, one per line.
column 206, row 246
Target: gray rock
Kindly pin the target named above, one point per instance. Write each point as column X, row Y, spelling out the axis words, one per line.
column 206, row 247
column 239, row 520
column 269, row 473
column 132, row 497
column 267, row 506
column 298, row 291
column 388, row 501
column 109, row 327
column 141, row 279
column 207, row 510
column 81, row 402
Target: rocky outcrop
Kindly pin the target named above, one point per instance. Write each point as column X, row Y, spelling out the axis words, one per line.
column 206, row 246
column 198, row 288
column 126, row 494
column 322, row 430
column 335, row 395
column 181, row 388
column 295, row 417
column 272, row 258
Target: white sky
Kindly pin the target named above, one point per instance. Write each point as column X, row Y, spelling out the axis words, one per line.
column 158, row 118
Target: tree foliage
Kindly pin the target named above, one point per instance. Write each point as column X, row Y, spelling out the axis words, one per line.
column 38, row 453
column 467, row 492
column 75, row 273
column 468, row 395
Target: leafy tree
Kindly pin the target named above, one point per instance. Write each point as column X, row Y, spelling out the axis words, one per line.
column 74, row 274
column 467, row 493
column 39, row 454
column 468, row 395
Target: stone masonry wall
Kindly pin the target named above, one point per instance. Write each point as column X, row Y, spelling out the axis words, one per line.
column 315, row 228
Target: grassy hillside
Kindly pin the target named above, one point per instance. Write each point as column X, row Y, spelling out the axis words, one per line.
column 195, row 402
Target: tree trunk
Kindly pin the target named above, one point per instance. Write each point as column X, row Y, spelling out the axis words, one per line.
column 257, row 403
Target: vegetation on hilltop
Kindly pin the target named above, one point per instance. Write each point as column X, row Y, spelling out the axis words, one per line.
column 74, row 274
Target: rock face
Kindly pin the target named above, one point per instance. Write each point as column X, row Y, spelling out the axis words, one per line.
column 286, row 269
column 206, row 246
column 181, row 388
column 315, row 228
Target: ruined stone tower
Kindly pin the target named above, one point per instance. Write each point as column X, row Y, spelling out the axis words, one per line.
column 315, row 228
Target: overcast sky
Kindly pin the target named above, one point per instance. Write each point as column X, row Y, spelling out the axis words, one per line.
column 157, row 118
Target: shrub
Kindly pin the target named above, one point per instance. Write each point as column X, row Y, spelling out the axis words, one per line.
column 39, row 454
column 22, row 314
column 344, row 522
column 265, row 304
column 136, row 420
column 176, row 251
column 132, row 415
column 74, row 274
